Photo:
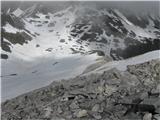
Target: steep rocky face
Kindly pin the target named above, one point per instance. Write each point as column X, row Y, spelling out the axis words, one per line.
column 137, row 48
column 12, row 20
column 13, row 32
column 132, row 94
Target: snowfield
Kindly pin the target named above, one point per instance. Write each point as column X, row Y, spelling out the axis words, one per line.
column 41, row 72
column 9, row 28
column 122, row 64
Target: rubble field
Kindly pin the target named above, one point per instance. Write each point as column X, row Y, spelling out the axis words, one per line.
column 133, row 94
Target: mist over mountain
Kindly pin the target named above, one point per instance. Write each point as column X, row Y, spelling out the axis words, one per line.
column 138, row 7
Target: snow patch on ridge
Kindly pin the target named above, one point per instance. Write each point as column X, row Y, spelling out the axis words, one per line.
column 9, row 28
column 123, row 17
column 18, row 12
column 122, row 64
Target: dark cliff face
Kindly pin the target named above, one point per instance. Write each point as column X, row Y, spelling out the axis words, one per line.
column 138, row 49
column 12, row 20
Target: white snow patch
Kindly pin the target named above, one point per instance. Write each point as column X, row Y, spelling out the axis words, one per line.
column 9, row 28
column 41, row 72
column 123, row 17
column 18, row 12
column 122, row 64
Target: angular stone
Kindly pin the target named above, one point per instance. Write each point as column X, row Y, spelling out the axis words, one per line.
column 147, row 116
column 59, row 110
column 157, row 116
column 100, row 89
column 101, row 97
column 96, row 115
column 74, row 105
column 81, row 113
column 48, row 111
column 144, row 95
column 96, row 108
column 109, row 90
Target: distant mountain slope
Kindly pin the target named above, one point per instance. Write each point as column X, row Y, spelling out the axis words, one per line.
column 79, row 29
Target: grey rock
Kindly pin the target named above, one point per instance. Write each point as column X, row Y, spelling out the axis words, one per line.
column 147, row 116
column 157, row 116
column 96, row 108
column 74, row 105
column 96, row 115
column 59, row 110
column 81, row 113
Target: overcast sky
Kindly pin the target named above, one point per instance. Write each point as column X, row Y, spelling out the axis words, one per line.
column 135, row 6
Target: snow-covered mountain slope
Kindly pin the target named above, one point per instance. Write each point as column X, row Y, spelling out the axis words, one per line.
column 77, row 29
column 39, row 47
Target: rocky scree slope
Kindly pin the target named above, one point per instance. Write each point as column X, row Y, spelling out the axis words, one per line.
column 111, row 95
